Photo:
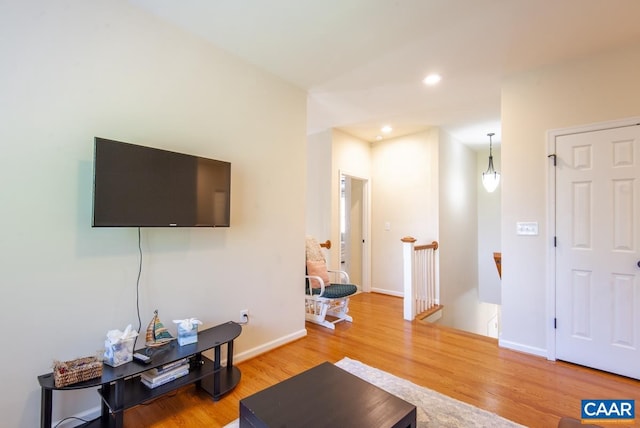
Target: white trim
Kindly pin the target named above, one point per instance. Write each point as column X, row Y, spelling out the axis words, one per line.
column 552, row 136
column 434, row 316
column 515, row 346
column 597, row 126
column 366, row 221
column 86, row 415
column 269, row 346
column 388, row 292
column 551, row 254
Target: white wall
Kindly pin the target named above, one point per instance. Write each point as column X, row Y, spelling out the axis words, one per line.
column 458, row 238
column 350, row 156
column 319, row 190
column 408, row 193
column 74, row 69
column 489, row 232
column 580, row 92
column 404, row 195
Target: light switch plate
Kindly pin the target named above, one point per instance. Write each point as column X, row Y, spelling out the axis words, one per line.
column 527, row 228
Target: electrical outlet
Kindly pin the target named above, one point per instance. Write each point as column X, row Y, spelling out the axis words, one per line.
column 244, row 315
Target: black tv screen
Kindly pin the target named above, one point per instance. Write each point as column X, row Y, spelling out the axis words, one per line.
column 137, row 186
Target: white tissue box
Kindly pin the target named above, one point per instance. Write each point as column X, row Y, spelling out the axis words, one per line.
column 116, row 354
column 187, row 337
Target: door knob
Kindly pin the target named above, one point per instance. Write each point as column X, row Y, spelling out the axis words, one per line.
column 638, row 263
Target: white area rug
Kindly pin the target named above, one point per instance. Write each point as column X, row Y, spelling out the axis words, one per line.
column 434, row 410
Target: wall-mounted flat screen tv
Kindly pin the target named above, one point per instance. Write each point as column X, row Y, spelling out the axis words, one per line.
column 137, row 186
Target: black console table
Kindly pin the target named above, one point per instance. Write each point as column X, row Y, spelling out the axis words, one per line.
column 120, row 387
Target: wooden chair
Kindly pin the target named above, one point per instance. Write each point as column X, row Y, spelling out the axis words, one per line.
column 326, row 291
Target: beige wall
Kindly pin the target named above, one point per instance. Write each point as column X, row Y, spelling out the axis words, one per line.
column 424, row 185
column 458, row 237
column 350, row 156
column 319, row 190
column 489, row 230
column 586, row 91
column 75, row 69
column 331, row 153
column 404, row 195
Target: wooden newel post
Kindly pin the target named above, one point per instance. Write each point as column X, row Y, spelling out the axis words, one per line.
column 409, row 311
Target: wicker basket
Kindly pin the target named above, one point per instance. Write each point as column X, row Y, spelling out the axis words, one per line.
column 78, row 370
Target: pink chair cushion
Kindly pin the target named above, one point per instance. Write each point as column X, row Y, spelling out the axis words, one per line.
column 317, row 268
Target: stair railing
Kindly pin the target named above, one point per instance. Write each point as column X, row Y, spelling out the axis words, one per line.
column 420, row 277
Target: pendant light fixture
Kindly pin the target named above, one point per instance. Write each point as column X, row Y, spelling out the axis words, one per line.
column 490, row 178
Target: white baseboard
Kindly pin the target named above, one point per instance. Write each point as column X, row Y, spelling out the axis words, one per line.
column 541, row 352
column 87, row 415
column 434, row 316
column 254, row 352
column 389, row 292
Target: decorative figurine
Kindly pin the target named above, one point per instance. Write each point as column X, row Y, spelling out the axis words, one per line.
column 157, row 333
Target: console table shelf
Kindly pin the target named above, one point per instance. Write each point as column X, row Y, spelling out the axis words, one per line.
column 121, row 388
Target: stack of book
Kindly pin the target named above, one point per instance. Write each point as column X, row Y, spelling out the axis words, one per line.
column 166, row 373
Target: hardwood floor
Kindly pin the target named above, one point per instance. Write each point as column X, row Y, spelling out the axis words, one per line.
column 526, row 389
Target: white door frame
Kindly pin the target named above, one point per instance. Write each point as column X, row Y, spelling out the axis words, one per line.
column 366, row 232
column 552, row 135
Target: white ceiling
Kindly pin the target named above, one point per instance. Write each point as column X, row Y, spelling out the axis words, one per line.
column 363, row 61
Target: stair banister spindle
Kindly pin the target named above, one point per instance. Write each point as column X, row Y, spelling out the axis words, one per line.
column 420, row 280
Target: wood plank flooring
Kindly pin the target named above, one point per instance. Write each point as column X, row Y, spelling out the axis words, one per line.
column 526, row 389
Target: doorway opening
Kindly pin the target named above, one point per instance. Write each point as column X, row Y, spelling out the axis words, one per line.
column 354, row 244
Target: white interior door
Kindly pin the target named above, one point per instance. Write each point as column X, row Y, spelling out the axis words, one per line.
column 598, row 233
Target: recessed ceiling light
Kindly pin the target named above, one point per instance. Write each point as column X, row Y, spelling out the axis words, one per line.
column 432, row 79
column 386, row 129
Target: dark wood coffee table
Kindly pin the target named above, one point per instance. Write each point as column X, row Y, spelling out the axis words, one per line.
column 325, row 396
